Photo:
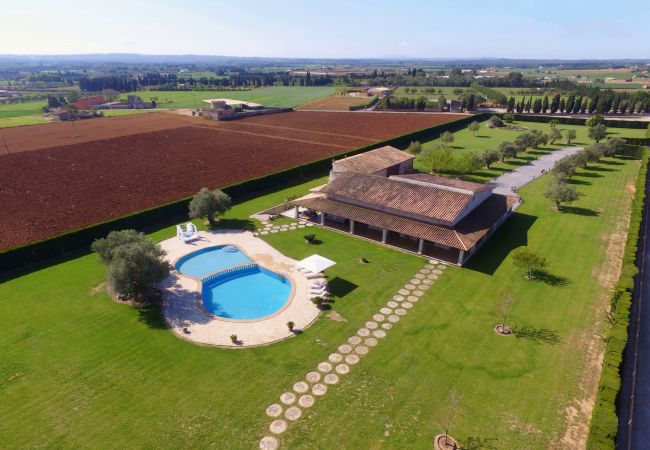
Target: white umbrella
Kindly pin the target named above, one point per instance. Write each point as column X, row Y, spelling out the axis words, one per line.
column 315, row 263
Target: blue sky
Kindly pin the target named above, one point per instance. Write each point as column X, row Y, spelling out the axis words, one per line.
column 368, row 29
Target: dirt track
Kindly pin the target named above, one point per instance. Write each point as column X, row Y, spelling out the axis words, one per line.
column 58, row 188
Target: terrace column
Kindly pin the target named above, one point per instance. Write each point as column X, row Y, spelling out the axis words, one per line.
column 420, row 246
column 322, row 218
column 461, row 255
column 296, row 210
column 384, row 235
column 351, row 226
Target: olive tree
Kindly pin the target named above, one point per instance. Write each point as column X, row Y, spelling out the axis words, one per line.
column 209, row 203
column 528, row 260
column 614, row 146
column 502, row 310
column 570, row 136
column 507, row 150
column 414, row 148
column 490, row 157
column 564, row 168
column 447, row 138
column 554, row 135
column 474, row 127
column 560, row 192
column 598, row 132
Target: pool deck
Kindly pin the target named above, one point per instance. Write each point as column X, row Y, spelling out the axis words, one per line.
column 188, row 320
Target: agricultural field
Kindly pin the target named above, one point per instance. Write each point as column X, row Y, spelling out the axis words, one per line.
column 27, row 113
column 336, row 103
column 92, row 171
column 420, row 91
column 490, row 138
column 82, row 357
column 276, row 96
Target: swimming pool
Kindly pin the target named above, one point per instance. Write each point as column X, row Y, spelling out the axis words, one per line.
column 210, row 260
column 245, row 293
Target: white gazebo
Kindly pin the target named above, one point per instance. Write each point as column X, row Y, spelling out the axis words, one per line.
column 315, row 263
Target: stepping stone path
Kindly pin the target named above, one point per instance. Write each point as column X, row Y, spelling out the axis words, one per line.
column 268, row 227
column 348, row 354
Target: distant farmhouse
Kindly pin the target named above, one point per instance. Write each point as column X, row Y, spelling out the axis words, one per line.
column 228, row 109
column 132, row 102
column 377, row 196
column 89, row 102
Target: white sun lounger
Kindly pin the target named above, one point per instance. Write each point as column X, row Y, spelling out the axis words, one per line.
column 188, row 234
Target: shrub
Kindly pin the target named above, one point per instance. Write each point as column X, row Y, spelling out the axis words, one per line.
column 414, row 148
column 290, row 325
column 319, row 302
column 106, row 247
column 614, row 146
column 508, row 118
column 209, row 203
column 495, row 122
column 309, row 238
column 570, row 135
column 233, row 338
column 528, row 260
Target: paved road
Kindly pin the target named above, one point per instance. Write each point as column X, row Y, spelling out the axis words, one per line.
column 525, row 174
column 634, row 398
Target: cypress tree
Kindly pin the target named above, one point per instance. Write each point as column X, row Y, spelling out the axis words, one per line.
column 545, row 104
column 577, row 105
column 562, row 105
column 570, row 103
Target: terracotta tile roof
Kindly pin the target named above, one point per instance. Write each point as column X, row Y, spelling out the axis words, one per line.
column 463, row 237
column 444, row 181
column 372, row 161
column 432, row 202
column 87, row 102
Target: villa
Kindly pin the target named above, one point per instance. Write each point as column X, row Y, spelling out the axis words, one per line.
column 378, row 196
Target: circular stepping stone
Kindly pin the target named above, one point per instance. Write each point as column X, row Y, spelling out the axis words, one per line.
column 335, row 358
column 342, row 369
column 264, row 232
column 301, row 387
column 407, row 305
column 372, row 325
column 436, row 272
column 314, row 377
column 345, row 348
column 418, row 293
column 441, row 267
column 392, row 304
column 301, row 226
column 404, row 291
column 332, row 378
column 288, row 398
column 432, row 276
column 398, row 298
column 427, row 283
column 363, row 332
column 425, row 271
column 354, row 340
column 278, row 426
column 393, row 318
column 429, row 266
column 274, row 410
column 409, row 286
column 370, row 342
column 361, row 350
column 319, row 389
column 306, row 401
column 416, row 281
column 419, row 276
column 378, row 317
column 310, row 224
column 324, row 366
column 380, row 333
column 293, row 413
column 352, row 359
column 386, row 311
column 400, row 312
column 268, row 443
column 411, row 298
column 433, row 261
column 273, row 230
column 387, row 326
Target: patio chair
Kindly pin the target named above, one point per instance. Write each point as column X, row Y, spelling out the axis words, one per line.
column 190, row 233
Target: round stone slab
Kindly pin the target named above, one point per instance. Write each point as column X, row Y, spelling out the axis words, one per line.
column 437, row 271
column 393, row 318
column 412, row 298
column 392, row 304
column 319, row 389
column 306, row 401
column 419, row 276
column 301, row 387
column 409, row 286
column 400, row 312
column 278, row 426
column 425, row 271
column 352, row 359
column 407, row 305
column 268, row 443
column 404, row 292
column 370, row 342
column 293, row 413
column 335, row 358
column 345, row 348
column 288, row 398
column 387, row 326
column 415, row 281
column 428, row 282
column 274, row 410
column 301, row 226
column 361, row 350
column 313, row 377
column 372, row 325
column 332, row 378
column 264, row 232
column 432, row 276
column 398, row 298
column 274, row 230
column 342, row 369
column 363, row 332
column 324, row 366
column 378, row 317
column 386, row 311
column 354, row 340
column 310, row 224
column 429, row 266
column 418, row 293
column 380, row 333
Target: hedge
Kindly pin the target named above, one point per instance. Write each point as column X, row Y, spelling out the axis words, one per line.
column 176, row 211
column 604, row 420
column 613, row 123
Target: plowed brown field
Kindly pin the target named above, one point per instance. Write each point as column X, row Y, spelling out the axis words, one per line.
column 49, row 186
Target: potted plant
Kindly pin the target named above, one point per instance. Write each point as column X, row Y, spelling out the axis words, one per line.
column 233, row 338
column 318, row 301
column 309, row 238
column 290, row 325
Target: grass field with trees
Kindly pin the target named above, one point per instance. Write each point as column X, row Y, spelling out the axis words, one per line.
column 76, row 366
column 26, row 113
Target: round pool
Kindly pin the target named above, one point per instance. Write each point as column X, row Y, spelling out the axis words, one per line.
column 209, row 260
column 245, row 293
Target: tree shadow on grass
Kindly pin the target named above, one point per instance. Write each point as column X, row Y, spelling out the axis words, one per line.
column 512, row 234
column 601, row 169
column 610, row 162
column 340, row 287
column 152, row 316
column 235, row 224
column 479, row 443
column 551, row 279
column 579, row 211
column 580, row 182
column 541, row 335
column 588, row 174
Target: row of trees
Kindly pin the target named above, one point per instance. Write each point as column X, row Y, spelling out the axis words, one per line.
column 600, row 102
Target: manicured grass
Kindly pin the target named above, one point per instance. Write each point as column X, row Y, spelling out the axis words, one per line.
column 276, row 96
column 78, row 370
column 490, row 138
column 447, row 91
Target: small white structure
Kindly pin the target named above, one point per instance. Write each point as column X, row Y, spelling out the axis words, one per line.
column 315, row 264
column 188, row 234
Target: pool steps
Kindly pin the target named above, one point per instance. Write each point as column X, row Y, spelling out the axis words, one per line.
column 235, row 270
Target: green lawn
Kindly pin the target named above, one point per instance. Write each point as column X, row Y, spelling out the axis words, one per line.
column 27, row 113
column 276, row 96
column 490, row 138
column 78, row 370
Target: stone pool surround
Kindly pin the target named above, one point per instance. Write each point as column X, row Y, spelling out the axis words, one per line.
column 188, row 319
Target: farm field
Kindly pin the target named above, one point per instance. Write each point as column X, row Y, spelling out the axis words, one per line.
column 275, row 96
column 336, row 103
column 74, row 364
column 447, row 91
column 129, row 166
column 490, row 138
column 16, row 114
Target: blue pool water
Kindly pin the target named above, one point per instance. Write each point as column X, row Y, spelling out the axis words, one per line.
column 246, row 294
column 210, row 260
